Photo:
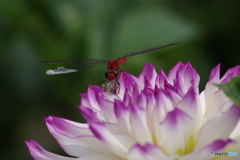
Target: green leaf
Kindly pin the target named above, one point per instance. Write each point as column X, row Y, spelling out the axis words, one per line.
column 232, row 89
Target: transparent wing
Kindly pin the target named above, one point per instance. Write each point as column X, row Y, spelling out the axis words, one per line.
column 65, row 62
column 76, row 68
column 147, row 50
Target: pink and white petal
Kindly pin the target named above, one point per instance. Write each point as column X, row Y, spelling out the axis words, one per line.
column 136, row 80
column 93, row 92
column 236, row 132
column 202, row 104
column 161, row 79
column 190, row 104
column 186, row 77
column 217, row 101
column 38, row 153
column 121, row 79
column 210, row 88
column 141, row 99
column 215, row 74
column 95, row 97
column 163, row 106
column 123, row 117
column 90, row 115
column 175, row 131
column 128, row 97
column 130, row 82
column 75, row 141
column 99, row 157
column 111, row 96
column 219, row 127
column 77, row 150
column 178, row 87
column 139, row 125
column 93, row 144
column 106, row 109
column 81, row 146
column 84, row 100
column 150, row 74
column 173, row 96
column 113, row 128
column 204, row 152
column 147, row 152
column 86, row 97
column 172, row 74
column 151, row 104
column 133, row 81
column 119, row 144
column 67, row 127
column 148, row 85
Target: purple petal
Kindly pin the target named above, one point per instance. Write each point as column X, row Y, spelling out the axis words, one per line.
column 127, row 83
column 186, row 77
column 173, row 96
column 90, row 115
column 127, row 97
column 141, row 99
column 38, row 153
column 172, row 74
column 93, row 94
column 161, row 79
column 148, row 84
column 149, row 73
column 232, row 72
column 89, row 100
column 133, row 82
column 67, row 127
column 123, row 77
column 102, row 109
column 215, row 73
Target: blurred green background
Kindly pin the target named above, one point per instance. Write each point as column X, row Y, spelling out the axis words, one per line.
column 37, row 30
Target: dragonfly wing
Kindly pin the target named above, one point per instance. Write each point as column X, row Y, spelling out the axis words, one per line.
column 147, row 50
column 76, row 68
column 65, row 62
column 60, row 70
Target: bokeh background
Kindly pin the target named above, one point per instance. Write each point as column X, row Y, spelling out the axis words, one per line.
column 37, row 30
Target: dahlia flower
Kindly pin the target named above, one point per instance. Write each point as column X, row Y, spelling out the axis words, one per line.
column 153, row 117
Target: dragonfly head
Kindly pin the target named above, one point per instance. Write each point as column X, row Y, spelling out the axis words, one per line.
column 111, row 74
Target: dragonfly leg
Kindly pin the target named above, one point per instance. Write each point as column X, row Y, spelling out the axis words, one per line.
column 117, row 84
column 111, row 86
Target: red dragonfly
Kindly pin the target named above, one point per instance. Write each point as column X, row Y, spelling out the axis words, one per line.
column 111, row 83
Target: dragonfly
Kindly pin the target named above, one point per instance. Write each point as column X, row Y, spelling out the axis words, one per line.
column 110, row 84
